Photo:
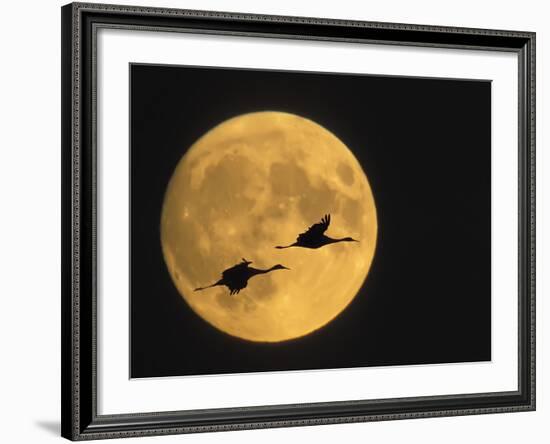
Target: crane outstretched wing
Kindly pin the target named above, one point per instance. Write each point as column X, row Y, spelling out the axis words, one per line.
column 235, row 269
column 315, row 230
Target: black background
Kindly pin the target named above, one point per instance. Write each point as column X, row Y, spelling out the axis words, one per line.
column 425, row 147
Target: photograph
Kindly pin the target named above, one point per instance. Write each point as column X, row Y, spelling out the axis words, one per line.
column 291, row 220
column 288, row 220
column 275, row 222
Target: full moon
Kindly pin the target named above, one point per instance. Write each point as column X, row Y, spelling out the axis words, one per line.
column 253, row 182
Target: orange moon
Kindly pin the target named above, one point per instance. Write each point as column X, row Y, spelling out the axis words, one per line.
column 255, row 181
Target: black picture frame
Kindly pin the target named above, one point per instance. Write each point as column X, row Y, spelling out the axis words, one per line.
column 80, row 419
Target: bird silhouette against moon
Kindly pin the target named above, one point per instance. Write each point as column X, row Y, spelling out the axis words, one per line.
column 315, row 236
column 244, row 187
column 236, row 278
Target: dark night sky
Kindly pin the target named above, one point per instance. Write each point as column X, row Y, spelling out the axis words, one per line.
column 425, row 146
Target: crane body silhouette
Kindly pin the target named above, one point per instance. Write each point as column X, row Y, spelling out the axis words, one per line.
column 236, row 278
column 314, row 237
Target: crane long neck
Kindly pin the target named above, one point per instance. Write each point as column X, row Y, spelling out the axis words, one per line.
column 331, row 240
column 255, row 271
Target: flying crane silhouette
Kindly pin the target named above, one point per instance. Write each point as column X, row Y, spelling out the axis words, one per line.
column 236, row 278
column 315, row 237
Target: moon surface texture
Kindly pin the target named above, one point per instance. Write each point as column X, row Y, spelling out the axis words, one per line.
column 253, row 182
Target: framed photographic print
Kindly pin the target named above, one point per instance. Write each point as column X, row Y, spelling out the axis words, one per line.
column 280, row 221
